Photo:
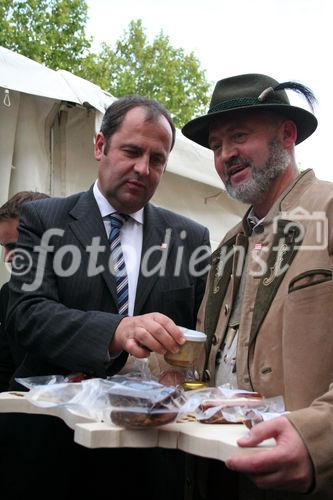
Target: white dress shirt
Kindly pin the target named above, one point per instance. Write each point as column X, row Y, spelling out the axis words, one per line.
column 131, row 235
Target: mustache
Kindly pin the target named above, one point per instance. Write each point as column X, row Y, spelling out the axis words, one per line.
column 238, row 161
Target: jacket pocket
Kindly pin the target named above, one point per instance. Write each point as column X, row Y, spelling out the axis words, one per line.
column 310, row 278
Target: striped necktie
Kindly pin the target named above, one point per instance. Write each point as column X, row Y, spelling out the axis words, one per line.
column 117, row 220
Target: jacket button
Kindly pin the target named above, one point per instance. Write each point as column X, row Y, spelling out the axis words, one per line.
column 226, row 309
column 214, row 340
column 206, row 375
column 259, row 229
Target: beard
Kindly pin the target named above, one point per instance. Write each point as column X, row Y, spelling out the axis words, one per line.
column 255, row 189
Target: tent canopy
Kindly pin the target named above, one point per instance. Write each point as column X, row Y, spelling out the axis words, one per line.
column 48, row 121
column 25, row 75
column 18, row 73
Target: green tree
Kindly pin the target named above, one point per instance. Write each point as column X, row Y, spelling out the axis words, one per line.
column 155, row 69
column 53, row 32
column 49, row 31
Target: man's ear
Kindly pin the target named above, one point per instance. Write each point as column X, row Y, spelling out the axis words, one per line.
column 289, row 133
column 99, row 145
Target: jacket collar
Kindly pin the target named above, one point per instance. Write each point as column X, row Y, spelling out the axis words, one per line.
column 157, row 244
column 88, row 224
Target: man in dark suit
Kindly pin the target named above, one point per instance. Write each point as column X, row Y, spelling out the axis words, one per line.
column 72, row 311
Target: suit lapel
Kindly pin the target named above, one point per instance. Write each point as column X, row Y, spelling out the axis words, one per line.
column 156, row 247
column 88, row 224
column 286, row 242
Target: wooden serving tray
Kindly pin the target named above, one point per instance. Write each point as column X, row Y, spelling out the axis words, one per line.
column 217, row 441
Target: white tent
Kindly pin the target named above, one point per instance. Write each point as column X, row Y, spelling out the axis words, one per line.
column 48, row 120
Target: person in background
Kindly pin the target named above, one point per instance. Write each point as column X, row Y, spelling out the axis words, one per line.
column 110, row 275
column 9, row 219
column 267, row 309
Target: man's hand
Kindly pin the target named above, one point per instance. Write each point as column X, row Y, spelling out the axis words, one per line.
column 140, row 335
column 285, row 467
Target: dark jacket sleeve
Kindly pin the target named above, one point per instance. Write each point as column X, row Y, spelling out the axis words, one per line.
column 69, row 338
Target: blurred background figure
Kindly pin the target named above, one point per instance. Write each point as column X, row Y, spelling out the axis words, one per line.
column 9, row 220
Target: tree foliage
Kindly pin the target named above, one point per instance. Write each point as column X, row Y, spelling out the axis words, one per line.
column 155, row 69
column 53, row 32
column 49, row 31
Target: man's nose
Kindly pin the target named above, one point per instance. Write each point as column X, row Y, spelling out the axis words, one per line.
column 142, row 165
column 228, row 151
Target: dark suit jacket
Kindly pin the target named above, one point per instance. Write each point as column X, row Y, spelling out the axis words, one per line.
column 67, row 324
column 7, row 366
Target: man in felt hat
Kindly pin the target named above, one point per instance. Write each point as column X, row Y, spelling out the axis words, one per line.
column 267, row 309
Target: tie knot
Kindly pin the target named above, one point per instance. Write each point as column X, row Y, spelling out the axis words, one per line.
column 117, row 220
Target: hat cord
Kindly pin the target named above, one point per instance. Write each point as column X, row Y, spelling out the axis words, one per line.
column 242, row 101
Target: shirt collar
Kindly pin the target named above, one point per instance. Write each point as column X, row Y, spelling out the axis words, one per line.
column 106, row 208
column 252, row 220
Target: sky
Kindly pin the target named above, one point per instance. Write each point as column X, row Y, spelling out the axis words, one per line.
column 285, row 39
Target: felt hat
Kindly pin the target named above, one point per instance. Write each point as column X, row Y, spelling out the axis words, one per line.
column 252, row 92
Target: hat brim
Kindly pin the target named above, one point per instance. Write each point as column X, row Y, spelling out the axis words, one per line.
column 198, row 129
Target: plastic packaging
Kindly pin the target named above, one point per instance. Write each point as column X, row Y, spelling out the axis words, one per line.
column 218, row 405
column 124, row 400
column 137, row 403
column 132, row 402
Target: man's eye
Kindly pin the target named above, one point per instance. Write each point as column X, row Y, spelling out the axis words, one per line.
column 239, row 136
column 156, row 161
column 130, row 152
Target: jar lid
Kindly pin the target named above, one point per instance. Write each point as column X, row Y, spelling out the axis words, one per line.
column 193, row 335
column 192, row 385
